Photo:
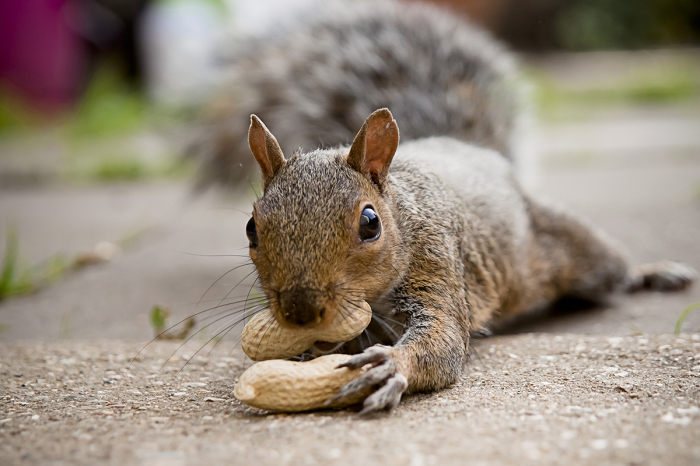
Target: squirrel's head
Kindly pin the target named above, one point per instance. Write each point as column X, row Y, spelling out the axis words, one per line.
column 322, row 236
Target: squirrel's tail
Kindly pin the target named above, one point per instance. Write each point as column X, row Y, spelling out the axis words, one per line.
column 314, row 87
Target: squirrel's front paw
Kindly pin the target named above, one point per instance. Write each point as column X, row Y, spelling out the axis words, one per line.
column 383, row 374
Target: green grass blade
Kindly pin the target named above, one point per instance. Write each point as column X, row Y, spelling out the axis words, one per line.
column 8, row 264
column 684, row 314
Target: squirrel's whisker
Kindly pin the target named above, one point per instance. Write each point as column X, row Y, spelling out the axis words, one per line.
column 244, row 256
column 376, row 317
column 208, row 341
column 241, row 298
column 240, row 310
column 244, row 310
column 367, row 333
column 237, row 284
column 218, row 279
column 232, row 326
column 200, row 330
column 386, row 326
column 240, row 337
column 180, row 322
column 245, row 305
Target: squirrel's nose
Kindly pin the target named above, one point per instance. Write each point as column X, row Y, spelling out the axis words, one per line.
column 302, row 307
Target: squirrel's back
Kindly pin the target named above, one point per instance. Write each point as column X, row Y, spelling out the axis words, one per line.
column 475, row 184
column 314, row 86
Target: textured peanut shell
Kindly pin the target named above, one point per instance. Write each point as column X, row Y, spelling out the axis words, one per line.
column 264, row 338
column 288, row 386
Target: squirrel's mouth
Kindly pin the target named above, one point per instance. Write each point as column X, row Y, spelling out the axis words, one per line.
column 327, row 346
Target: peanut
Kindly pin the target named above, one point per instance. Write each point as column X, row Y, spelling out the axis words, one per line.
column 290, row 386
column 264, row 338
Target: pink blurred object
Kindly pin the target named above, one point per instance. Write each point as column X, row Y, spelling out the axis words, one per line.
column 41, row 58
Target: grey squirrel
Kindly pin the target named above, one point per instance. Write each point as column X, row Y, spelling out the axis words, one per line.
column 436, row 233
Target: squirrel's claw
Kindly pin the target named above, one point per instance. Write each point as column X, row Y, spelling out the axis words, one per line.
column 374, row 355
column 383, row 374
column 387, row 397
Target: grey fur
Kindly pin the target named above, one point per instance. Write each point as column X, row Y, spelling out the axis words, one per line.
column 315, row 86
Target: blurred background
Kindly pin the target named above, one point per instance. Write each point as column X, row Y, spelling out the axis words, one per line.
column 102, row 237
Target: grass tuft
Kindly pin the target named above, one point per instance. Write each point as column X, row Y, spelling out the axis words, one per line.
column 18, row 281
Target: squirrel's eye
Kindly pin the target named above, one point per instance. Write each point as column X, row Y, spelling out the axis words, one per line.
column 370, row 227
column 251, row 233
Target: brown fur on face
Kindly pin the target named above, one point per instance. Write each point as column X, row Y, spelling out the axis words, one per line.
column 309, row 249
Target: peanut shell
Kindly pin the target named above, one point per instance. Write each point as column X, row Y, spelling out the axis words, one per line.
column 288, row 386
column 264, row 338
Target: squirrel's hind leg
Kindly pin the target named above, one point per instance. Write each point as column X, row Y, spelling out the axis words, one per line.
column 572, row 258
column 583, row 262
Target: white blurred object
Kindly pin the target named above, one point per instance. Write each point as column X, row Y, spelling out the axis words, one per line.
column 181, row 40
column 262, row 17
column 178, row 40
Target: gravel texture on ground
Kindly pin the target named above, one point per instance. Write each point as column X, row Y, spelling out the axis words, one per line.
column 525, row 399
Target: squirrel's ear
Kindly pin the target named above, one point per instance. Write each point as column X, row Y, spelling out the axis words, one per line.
column 375, row 145
column 266, row 149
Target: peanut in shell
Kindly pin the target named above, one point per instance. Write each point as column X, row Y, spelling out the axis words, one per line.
column 288, row 386
column 264, row 338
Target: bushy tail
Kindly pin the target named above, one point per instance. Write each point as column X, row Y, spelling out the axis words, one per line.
column 315, row 86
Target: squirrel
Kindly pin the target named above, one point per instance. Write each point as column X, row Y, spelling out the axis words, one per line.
column 436, row 233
